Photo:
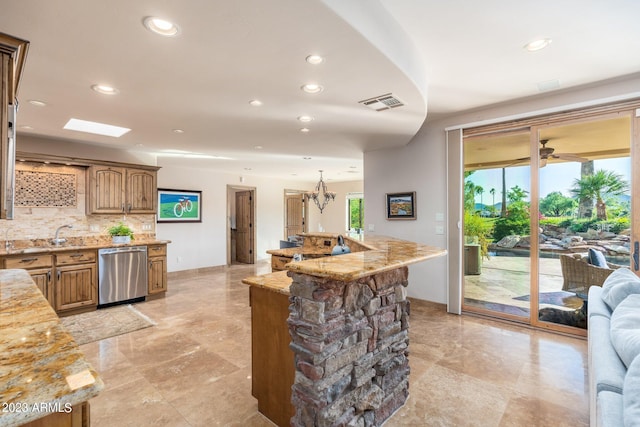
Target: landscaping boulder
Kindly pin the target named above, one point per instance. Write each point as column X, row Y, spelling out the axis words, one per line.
column 508, row 241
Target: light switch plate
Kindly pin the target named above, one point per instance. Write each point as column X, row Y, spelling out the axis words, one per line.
column 439, row 216
column 372, row 227
column 439, row 229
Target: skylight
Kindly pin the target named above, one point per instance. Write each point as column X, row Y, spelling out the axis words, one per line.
column 95, row 128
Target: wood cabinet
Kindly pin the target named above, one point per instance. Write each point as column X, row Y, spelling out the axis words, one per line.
column 78, row 417
column 157, row 275
column 39, row 266
column 13, row 52
column 68, row 280
column 272, row 362
column 76, row 284
column 113, row 189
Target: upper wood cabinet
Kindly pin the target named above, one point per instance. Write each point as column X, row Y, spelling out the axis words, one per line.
column 142, row 191
column 112, row 189
column 13, row 52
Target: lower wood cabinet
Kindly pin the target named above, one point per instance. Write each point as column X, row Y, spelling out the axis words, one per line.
column 77, row 417
column 39, row 266
column 157, row 274
column 68, row 280
column 272, row 361
column 75, row 287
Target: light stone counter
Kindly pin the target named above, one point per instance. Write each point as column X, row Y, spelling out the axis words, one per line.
column 41, row 367
column 385, row 253
column 75, row 243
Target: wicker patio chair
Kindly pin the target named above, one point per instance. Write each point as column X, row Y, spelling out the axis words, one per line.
column 579, row 275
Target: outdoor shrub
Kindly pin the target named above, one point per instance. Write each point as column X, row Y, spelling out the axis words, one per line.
column 474, row 225
column 507, row 226
column 616, row 225
column 557, row 221
column 581, row 225
column 515, row 222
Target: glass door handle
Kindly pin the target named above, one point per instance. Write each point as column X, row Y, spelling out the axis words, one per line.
column 636, row 255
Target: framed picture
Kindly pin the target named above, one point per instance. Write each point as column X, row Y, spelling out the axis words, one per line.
column 179, row 205
column 401, row 205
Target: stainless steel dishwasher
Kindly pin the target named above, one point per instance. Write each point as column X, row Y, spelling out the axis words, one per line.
column 122, row 274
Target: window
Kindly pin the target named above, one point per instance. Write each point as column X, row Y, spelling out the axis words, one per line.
column 355, row 212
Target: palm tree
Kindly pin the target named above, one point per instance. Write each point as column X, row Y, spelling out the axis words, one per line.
column 479, row 190
column 585, row 206
column 503, row 209
column 493, row 200
column 597, row 186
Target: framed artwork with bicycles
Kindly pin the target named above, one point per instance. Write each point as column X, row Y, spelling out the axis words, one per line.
column 179, row 205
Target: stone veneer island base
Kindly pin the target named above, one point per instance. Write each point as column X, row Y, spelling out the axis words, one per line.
column 348, row 322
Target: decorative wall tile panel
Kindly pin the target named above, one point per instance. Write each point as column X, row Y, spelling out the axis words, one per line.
column 45, row 189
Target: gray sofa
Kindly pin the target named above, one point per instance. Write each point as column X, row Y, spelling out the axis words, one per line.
column 614, row 351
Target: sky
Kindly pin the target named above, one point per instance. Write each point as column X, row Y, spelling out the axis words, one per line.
column 553, row 177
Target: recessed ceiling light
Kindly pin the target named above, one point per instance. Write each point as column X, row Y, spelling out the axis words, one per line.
column 312, row 88
column 248, row 169
column 255, row 102
column 305, row 119
column 37, row 103
column 258, row 147
column 105, row 89
column 306, row 158
column 314, row 59
column 178, row 131
column 26, row 127
column 95, row 128
column 139, row 145
column 161, row 26
column 305, row 130
column 537, row 45
column 353, row 167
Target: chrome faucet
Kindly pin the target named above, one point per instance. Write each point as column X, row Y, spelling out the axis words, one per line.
column 57, row 241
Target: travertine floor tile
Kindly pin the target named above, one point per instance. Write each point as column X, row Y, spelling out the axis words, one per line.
column 194, row 367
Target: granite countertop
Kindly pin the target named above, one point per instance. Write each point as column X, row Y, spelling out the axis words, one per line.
column 289, row 252
column 40, row 363
column 385, row 253
column 79, row 244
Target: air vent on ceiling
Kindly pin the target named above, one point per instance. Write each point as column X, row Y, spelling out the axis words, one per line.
column 382, row 102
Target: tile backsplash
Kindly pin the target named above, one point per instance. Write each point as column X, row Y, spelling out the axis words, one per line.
column 33, row 223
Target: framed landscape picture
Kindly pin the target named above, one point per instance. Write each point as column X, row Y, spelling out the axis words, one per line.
column 401, row 205
column 179, row 205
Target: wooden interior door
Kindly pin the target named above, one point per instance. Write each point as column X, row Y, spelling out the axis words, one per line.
column 244, row 227
column 295, row 222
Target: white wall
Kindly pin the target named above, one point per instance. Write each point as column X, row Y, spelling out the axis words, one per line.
column 334, row 216
column 204, row 244
column 420, row 166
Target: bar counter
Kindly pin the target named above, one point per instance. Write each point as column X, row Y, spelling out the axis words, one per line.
column 330, row 334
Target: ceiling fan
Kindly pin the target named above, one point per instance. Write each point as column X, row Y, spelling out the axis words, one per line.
column 547, row 153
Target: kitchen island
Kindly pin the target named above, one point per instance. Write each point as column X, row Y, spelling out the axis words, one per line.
column 336, row 328
column 43, row 374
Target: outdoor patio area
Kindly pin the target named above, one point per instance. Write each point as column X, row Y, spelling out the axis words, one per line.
column 503, row 286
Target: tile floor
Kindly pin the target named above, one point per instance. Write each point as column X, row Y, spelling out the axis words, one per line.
column 194, row 367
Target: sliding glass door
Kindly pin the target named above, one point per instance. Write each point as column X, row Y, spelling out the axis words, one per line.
column 548, row 213
column 584, row 205
column 496, row 258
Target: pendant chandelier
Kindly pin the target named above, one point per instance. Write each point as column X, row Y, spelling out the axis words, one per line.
column 320, row 195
